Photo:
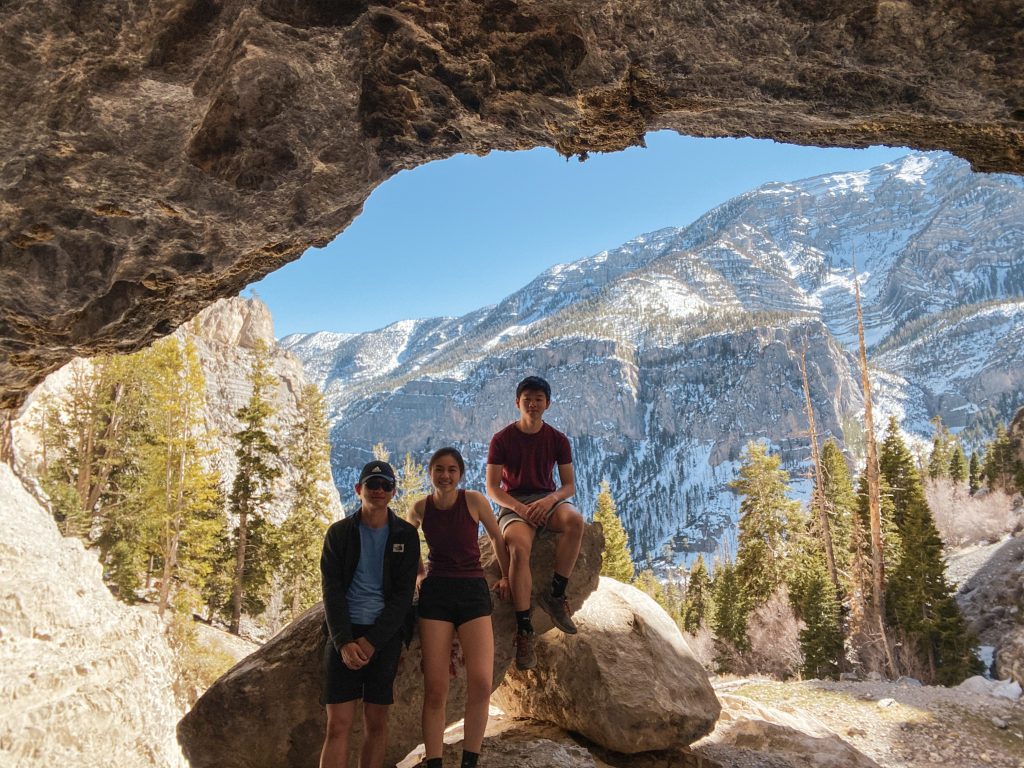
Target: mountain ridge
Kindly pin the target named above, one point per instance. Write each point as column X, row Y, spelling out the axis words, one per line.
column 668, row 352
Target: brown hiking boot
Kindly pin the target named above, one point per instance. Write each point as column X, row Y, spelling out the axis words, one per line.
column 558, row 609
column 526, row 650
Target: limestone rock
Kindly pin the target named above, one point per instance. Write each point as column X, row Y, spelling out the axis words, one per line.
column 1010, row 655
column 516, row 743
column 627, row 681
column 161, row 155
column 777, row 738
column 84, row 680
column 265, row 712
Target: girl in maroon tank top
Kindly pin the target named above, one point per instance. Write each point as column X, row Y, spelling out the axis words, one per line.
column 455, row 599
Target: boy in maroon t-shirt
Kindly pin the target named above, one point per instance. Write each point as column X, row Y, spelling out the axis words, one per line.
column 519, row 480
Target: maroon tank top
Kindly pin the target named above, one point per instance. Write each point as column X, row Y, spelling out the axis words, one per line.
column 451, row 535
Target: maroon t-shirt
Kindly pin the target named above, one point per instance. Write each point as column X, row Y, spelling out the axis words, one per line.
column 528, row 461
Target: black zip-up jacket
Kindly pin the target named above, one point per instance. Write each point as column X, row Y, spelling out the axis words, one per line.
column 338, row 566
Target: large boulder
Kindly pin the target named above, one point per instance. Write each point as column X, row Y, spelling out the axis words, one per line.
column 84, row 679
column 750, row 733
column 1010, row 656
column 265, row 712
column 627, row 681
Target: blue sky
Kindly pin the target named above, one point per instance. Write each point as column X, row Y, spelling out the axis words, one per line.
column 458, row 234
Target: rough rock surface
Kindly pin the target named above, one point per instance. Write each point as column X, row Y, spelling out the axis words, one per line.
column 84, row 679
column 515, row 743
column 160, row 155
column 1010, row 655
column 992, row 597
column 777, row 738
column 627, row 681
column 265, row 712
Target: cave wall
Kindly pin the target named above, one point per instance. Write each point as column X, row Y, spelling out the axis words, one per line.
column 157, row 156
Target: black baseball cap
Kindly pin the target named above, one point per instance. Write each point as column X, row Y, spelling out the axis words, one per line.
column 377, row 469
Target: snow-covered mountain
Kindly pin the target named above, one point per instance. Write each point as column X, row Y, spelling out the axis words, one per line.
column 669, row 352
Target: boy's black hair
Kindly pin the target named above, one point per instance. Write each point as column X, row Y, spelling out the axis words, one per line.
column 535, row 384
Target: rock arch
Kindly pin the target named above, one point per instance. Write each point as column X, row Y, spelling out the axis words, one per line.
column 157, row 156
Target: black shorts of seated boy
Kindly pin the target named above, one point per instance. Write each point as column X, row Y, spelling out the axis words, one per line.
column 521, row 463
column 368, row 570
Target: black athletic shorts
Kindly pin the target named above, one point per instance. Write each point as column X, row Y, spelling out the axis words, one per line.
column 374, row 683
column 453, row 599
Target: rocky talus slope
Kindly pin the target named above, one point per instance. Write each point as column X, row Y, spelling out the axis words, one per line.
column 84, row 679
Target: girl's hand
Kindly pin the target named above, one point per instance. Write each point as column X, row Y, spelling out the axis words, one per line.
column 502, row 589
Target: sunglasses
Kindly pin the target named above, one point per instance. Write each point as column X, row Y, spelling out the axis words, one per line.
column 379, row 484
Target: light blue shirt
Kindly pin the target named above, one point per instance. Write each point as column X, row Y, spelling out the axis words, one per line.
column 366, row 592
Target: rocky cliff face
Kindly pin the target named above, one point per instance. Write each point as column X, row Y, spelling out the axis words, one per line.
column 226, row 335
column 668, row 353
column 84, row 679
column 161, row 155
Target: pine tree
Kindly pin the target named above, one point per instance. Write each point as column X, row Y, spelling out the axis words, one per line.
column 958, row 471
column 730, row 619
column 821, row 638
column 182, row 497
column 616, row 561
column 897, row 466
column 302, row 532
column 1001, row 469
column 942, row 450
column 766, row 517
column 920, row 601
column 815, row 602
column 974, row 474
column 254, row 543
column 89, row 440
column 840, row 505
column 697, row 603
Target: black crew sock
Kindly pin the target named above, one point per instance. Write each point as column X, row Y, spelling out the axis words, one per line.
column 434, row 762
column 523, row 623
column 469, row 759
column 558, row 585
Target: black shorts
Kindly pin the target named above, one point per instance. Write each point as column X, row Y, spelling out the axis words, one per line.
column 374, row 683
column 455, row 600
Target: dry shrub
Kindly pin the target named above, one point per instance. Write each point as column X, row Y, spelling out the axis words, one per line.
column 702, row 643
column 909, row 659
column 773, row 632
column 963, row 519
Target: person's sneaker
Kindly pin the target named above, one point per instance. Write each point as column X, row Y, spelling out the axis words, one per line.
column 526, row 650
column 558, row 609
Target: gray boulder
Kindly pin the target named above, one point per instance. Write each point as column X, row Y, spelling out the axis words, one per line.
column 627, row 681
column 753, row 734
column 265, row 712
column 1010, row 656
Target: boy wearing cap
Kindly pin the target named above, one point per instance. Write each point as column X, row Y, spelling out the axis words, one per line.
column 520, row 480
column 368, row 569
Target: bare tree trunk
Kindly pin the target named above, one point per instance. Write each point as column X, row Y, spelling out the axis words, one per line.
column 236, row 592
column 818, row 498
column 871, row 473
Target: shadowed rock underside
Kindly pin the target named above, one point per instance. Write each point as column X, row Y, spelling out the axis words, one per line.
column 160, row 155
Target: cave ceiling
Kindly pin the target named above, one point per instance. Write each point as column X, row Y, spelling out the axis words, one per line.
column 159, row 155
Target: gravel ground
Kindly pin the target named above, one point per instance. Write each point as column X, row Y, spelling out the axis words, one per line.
column 904, row 725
